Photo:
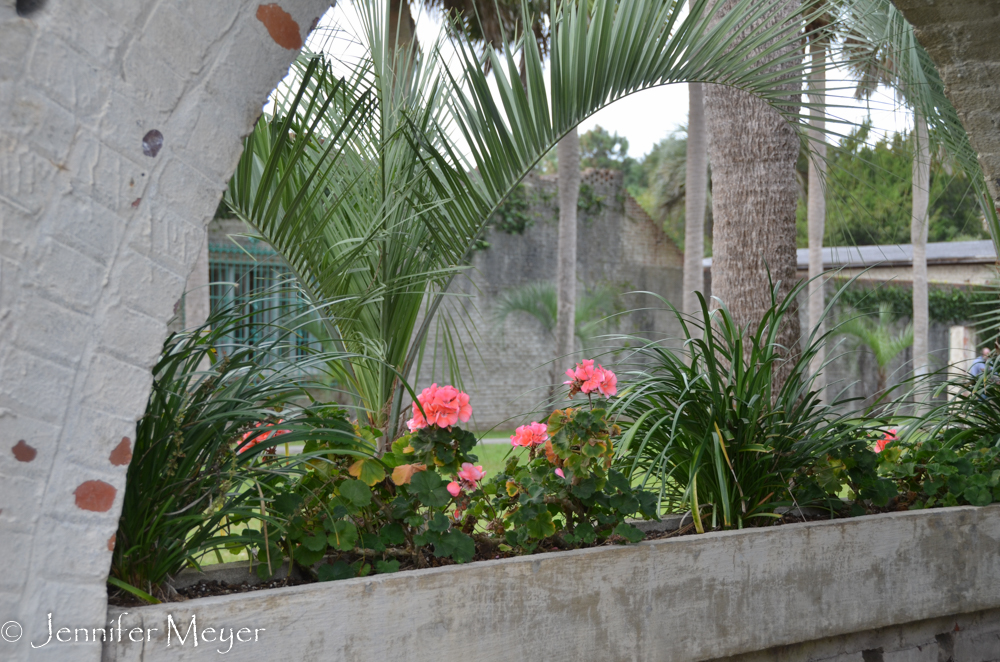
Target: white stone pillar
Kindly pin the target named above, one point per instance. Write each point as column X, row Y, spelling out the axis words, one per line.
column 961, row 353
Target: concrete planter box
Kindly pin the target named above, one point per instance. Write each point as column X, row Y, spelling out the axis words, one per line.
column 917, row 586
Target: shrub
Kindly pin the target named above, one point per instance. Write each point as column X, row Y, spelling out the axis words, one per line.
column 426, row 496
column 708, row 427
column 199, row 448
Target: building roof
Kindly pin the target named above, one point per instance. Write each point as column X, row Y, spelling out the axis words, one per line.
column 897, row 255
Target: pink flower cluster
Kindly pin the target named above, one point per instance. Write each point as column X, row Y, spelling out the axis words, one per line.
column 889, row 437
column 443, row 407
column 469, row 475
column 587, row 379
column 530, row 435
column 252, row 438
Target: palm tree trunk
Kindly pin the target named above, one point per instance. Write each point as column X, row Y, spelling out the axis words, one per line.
column 695, row 189
column 918, row 237
column 817, row 198
column 753, row 152
column 568, row 152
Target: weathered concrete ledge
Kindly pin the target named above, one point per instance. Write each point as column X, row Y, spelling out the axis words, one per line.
column 677, row 600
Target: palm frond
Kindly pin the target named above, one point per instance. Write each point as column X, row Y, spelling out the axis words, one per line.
column 376, row 186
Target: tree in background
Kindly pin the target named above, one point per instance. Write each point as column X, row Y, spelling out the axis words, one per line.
column 568, row 151
column 816, row 208
column 598, row 149
column 753, row 151
column 696, row 193
column 869, row 194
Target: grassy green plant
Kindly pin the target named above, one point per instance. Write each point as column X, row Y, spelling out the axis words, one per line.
column 192, row 470
column 708, row 427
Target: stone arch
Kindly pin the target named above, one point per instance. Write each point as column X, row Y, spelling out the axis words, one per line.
column 120, row 124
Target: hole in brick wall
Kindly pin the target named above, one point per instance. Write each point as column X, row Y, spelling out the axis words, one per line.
column 29, row 7
column 95, row 495
column 122, row 454
column 23, row 452
column 280, row 25
column 152, row 142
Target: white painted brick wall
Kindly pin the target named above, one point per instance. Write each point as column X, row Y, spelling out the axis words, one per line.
column 96, row 241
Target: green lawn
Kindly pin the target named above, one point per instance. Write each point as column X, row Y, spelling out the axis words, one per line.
column 492, row 457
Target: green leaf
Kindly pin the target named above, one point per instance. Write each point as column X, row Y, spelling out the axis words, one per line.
column 430, row 489
column 585, row 489
column 541, row 526
column 369, row 471
column 315, row 543
column 439, row 523
column 979, row 496
column 331, row 572
column 392, row 534
column 386, row 567
column 629, row 532
column 343, row 536
column 356, row 492
column 456, row 545
column 286, row 503
column 626, row 504
column 585, row 533
column 618, row 481
column 425, row 481
column 372, row 541
column 307, row 557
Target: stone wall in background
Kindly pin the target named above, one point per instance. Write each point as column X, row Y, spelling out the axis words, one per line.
column 507, row 370
column 120, row 125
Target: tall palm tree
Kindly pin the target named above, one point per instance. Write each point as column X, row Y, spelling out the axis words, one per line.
column 568, row 152
column 918, row 237
column 695, row 191
column 895, row 58
column 753, row 150
column 376, row 186
column 816, row 209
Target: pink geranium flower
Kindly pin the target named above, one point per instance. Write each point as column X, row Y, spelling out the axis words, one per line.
column 889, row 437
column 531, row 434
column 470, row 473
column 454, row 488
column 442, row 406
column 559, row 472
column 253, row 437
column 587, row 379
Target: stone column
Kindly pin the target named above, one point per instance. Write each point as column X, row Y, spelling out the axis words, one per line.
column 961, row 353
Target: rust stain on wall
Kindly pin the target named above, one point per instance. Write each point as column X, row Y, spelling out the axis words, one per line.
column 280, row 25
column 95, row 495
column 111, row 542
column 122, row 454
column 23, row 452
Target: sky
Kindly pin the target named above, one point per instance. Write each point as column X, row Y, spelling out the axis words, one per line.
column 646, row 117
